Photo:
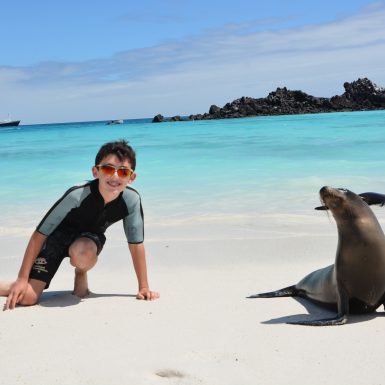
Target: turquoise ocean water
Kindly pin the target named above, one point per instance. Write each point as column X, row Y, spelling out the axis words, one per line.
column 188, row 169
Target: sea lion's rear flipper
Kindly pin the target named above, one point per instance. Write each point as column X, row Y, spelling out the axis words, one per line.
column 289, row 291
column 339, row 320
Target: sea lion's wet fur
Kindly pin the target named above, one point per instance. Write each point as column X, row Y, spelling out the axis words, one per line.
column 355, row 283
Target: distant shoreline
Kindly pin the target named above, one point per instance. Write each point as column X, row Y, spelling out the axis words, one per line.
column 359, row 95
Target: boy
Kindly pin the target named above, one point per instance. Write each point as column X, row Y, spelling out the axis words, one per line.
column 75, row 227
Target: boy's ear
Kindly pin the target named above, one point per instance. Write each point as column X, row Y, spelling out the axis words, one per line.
column 132, row 177
column 95, row 172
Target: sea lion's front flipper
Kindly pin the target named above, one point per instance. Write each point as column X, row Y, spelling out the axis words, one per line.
column 339, row 320
column 341, row 317
column 289, row 291
column 372, row 198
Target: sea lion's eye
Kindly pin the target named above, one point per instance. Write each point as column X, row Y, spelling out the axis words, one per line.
column 342, row 190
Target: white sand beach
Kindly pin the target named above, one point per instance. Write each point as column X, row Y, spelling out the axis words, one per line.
column 203, row 329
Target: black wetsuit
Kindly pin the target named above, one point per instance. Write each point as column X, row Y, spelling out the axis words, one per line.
column 81, row 212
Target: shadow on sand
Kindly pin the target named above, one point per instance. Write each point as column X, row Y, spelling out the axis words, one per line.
column 66, row 298
column 316, row 312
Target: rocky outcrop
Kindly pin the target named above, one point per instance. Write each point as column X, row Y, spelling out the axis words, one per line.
column 176, row 118
column 158, row 119
column 360, row 95
column 280, row 102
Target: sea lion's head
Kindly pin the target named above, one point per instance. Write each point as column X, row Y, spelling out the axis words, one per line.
column 343, row 203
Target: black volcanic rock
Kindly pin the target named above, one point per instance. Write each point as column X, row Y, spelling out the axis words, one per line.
column 359, row 95
column 213, row 109
column 280, row 102
column 158, row 119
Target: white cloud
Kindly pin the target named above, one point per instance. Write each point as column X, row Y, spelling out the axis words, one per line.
column 183, row 77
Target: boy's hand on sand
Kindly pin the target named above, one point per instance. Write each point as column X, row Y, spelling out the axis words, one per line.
column 147, row 294
column 17, row 291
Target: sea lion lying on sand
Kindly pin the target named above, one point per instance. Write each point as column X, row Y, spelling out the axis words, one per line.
column 355, row 283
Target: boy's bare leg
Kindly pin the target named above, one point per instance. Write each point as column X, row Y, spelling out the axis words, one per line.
column 31, row 296
column 83, row 256
column 33, row 293
column 4, row 288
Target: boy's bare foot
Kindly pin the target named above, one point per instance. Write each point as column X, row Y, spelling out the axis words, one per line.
column 81, row 284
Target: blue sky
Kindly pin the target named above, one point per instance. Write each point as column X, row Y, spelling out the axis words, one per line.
column 95, row 60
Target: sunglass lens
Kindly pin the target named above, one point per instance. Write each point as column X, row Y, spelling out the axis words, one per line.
column 124, row 172
column 108, row 170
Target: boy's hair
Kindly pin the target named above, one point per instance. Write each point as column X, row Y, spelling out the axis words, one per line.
column 120, row 148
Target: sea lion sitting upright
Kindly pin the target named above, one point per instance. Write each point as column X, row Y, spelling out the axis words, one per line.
column 356, row 282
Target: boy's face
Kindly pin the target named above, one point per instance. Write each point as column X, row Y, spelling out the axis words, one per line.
column 112, row 184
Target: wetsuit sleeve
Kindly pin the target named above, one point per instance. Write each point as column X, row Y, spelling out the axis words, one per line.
column 133, row 222
column 59, row 210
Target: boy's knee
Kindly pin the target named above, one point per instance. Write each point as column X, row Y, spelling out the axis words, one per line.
column 29, row 299
column 83, row 254
column 33, row 293
column 84, row 261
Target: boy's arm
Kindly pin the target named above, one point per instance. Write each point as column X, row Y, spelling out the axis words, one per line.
column 19, row 287
column 139, row 260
